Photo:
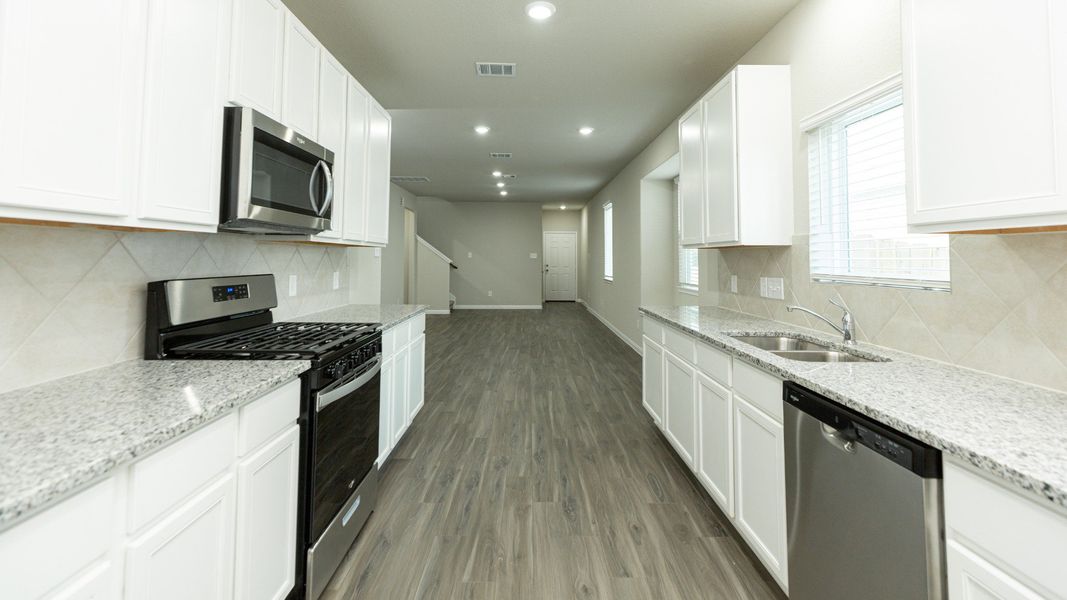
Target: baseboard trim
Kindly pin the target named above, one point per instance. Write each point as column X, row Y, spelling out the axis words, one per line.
column 497, row 307
column 633, row 346
column 438, row 311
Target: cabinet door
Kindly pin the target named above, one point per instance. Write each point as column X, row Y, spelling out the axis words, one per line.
column 680, row 393
column 355, row 211
column 417, row 376
column 385, row 412
column 378, row 148
column 300, row 78
column 760, row 470
column 720, row 163
column 399, row 419
column 972, row 578
column 266, row 519
column 71, row 84
column 986, row 122
column 190, row 553
column 99, row 583
column 715, row 457
column 256, row 60
column 188, row 59
column 691, row 175
column 333, row 88
column 652, row 379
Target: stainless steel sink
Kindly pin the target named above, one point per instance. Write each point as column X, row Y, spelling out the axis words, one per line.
column 798, row 349
column 776, row 343
column 827, row 356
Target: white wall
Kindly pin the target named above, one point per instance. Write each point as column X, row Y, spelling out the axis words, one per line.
column 499, row 238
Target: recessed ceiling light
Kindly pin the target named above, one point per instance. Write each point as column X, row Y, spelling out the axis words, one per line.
column 540, row 10
column 497, row 174
column 503, row 192
column 481, row 129
column 500, row 184
column 586, row 130
column 563, row 207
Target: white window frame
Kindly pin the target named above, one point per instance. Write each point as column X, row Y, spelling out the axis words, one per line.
column 686, row 287
column 811, row 125
column 609, row 242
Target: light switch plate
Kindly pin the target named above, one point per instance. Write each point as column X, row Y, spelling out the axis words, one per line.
column 733, row 283
column 292, row 285
column 336, row 280
column 470, row 255
column 377, row 253
column 533, row 255
column 490, row 293
column 775, row 288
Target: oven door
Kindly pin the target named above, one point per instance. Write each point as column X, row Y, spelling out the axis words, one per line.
column 276, row 180
column 344, row 477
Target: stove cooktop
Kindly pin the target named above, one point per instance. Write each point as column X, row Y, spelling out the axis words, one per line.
column 280, row 341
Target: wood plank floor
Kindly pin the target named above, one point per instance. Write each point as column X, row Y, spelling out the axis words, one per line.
column 534, row 472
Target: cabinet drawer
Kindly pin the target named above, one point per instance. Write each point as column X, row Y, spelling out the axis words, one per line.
column 714, row 363
column 759, row 388
column 266, row 416
column 389, row 342
column 418, row 326
column 50, row 548
column 1018, row 534
column 681, row 345
column 169, row 476
column 652, row 330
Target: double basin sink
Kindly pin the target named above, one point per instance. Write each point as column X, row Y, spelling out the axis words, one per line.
column 798, row 349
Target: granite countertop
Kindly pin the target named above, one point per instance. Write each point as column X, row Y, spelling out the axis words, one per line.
column 1015, row 431
column 389, row 315
column 58, row 437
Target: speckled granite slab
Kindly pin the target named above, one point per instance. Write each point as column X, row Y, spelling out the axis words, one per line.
column 60, row 436
column 1015, row 431
column 389, row 315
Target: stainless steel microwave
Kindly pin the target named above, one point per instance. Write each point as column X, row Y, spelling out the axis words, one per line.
column 274, row 180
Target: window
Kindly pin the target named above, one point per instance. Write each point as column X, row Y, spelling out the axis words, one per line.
column 688, row 263
column 609, row 259
column 859, row 231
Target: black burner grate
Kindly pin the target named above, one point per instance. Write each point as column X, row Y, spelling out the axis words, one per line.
column 279, row 340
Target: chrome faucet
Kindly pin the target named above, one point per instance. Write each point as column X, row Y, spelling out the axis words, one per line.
column 848, row 324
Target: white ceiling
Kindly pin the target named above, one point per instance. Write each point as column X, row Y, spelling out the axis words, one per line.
column 625, row 67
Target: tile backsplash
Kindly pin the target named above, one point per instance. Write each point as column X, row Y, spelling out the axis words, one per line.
column 1005, row 313
column 73, row 299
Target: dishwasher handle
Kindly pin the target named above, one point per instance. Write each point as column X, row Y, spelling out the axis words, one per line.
column 843, row 439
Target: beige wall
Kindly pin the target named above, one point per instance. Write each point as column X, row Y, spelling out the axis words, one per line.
column 392, row 259
column 658, row 256
column 499, row 238
column 1008, row 292
column 432, row 279
column 73, row 299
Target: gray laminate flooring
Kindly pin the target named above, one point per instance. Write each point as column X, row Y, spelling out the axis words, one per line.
column 534, row 472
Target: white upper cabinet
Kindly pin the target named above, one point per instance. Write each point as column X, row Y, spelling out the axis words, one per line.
column 355, row 163
column 70, row 112
column 736, row 180
column 985, row 101
column 300, row 78
column 256, row 62
column 185, row 89
column 333, row 89
column 378, row 148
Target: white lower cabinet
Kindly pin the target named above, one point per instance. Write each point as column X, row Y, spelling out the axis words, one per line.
column 680, row 393
column 267, row 488
column 417, row 376
column 190, row 553
column 652, row 379
column 724, row 419
column 970, row 577
column 403, row 382
column 399, row 420
column 715, row 453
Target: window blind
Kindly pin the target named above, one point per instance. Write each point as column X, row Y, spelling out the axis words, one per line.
column 856, row 177
column 609, row 262
column 688, row 262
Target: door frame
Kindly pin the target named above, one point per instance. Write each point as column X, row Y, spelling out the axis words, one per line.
column 544, row 270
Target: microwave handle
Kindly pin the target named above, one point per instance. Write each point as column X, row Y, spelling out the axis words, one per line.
column 329, row 188
column 311, row 187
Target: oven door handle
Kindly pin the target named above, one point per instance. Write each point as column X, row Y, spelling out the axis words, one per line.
column 339, row 390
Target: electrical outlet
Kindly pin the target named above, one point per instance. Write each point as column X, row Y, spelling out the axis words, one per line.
column 336, row 280
column 377, row 253
column 733, row 283
column 776, row 288
column 470, row 255
column 490, row 293
column 292, row 285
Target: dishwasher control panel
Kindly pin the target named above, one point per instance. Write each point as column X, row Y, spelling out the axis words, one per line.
column 881, row 444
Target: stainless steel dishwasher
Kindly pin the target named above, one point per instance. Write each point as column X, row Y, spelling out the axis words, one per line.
column 864, row 506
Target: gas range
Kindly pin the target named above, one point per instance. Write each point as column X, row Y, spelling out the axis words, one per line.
column 229, row 318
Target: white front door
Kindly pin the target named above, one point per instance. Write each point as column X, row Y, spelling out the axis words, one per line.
column 561, row 257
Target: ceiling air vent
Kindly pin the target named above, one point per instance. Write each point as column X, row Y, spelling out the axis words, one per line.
column 499, row 155
column 492, row 69
column 409, row 179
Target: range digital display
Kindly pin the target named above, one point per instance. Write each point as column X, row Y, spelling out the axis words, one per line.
column 225, row 293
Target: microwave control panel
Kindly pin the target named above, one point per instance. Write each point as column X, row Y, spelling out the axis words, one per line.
column 225, row 293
